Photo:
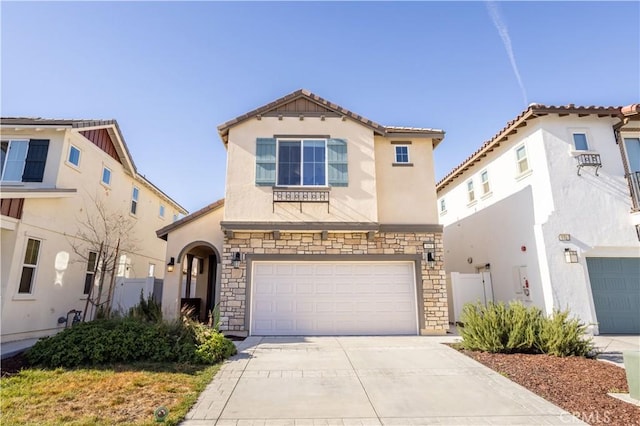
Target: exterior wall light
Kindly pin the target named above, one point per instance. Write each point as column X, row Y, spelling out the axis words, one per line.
column 564, row 237
column 570, row 256
column 171, row 264
column 429, row 253
column 235, row 261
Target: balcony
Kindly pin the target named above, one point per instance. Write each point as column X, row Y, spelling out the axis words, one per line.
column 634, row 186
column 300, row 195
column 589, row 160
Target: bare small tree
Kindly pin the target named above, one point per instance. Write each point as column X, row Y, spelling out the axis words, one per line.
column 106, row 233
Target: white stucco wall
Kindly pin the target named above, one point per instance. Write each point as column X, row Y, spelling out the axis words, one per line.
column 595, row 210
column 206, row 229
column 244, row 201
column 55, row 221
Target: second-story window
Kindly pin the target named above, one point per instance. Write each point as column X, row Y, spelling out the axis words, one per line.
column 580, row 141
column 470, row 193
column 134, row 200
column 161, row 212
column 402, row 154
column 484, row 177
column 521, row 158
column 23, row 160
column 443, row 206
column 106, row 176
column 302, row 162
column 74, row 156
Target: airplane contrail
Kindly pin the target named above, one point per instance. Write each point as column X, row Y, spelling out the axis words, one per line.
column 506, row 40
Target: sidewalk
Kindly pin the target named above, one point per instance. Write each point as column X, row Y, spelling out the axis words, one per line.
column 611, row 346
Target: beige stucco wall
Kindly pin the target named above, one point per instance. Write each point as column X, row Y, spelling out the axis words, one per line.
column 205, row 229
column 406, row 195
column 247, row 202
column 55, row 221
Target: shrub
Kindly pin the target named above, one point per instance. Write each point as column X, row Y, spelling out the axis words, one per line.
column 516, row 328
column 563, row 336
column 131, row 339
column 146, row 310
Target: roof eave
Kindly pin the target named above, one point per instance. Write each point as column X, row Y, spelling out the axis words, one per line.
column 533, row 111
column 163, row 232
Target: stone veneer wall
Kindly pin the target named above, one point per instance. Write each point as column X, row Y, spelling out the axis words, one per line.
column 233, row 281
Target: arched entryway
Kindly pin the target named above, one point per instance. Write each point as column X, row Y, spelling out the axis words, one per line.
column 199, row 267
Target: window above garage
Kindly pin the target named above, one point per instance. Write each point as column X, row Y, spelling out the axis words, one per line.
column 312, row 162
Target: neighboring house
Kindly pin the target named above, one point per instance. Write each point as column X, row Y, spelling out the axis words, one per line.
column 551, row 207
column 328, row 226
column 54, row 173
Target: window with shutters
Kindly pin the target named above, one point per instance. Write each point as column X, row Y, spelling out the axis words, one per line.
column 29, row 266
column 301, row 162
column 23, row 160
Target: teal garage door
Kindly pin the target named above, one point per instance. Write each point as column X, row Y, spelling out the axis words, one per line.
column 615, row 285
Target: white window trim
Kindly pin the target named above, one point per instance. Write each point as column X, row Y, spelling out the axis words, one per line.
column 486, row 192
column 24, row 162
column 87, row 272
column 519, row 174
column 470, row 192
column 162, row 211
column 108, row 185
column 301, row 140
column 572, row 146
column 395, row 154
column 31, row 294
column 69, row 163
column 441, row 203
column 137, row 200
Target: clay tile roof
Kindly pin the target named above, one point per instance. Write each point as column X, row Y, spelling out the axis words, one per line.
column 163, row 232
column 329, row 107
column 630, row 110
column 533, row 111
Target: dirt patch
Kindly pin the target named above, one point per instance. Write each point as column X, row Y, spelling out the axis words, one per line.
column 578, row 385
column 12, row 365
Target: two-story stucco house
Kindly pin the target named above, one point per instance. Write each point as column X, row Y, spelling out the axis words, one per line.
column 328, row 226
column 551, row 206
column 55, row 175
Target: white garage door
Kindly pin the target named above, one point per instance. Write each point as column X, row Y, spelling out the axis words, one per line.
column 333, row 298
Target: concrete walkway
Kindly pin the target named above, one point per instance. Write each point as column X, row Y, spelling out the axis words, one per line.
column 364, row 381
column 611, row 346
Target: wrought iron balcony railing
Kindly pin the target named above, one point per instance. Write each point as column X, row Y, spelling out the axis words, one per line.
column 589, row 160
column 634, row 186
column 300, row 195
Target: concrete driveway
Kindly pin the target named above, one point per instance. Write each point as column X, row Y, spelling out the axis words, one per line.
column 364, row 381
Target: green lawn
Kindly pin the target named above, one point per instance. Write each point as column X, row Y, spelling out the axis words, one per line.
column 118, row 394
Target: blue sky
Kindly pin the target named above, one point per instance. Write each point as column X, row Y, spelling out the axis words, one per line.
column 171, row 72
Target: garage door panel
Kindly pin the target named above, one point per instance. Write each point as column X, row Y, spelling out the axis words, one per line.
column 615, row 287
column 323, row 298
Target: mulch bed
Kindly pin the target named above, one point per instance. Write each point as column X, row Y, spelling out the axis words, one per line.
column 578, row 385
